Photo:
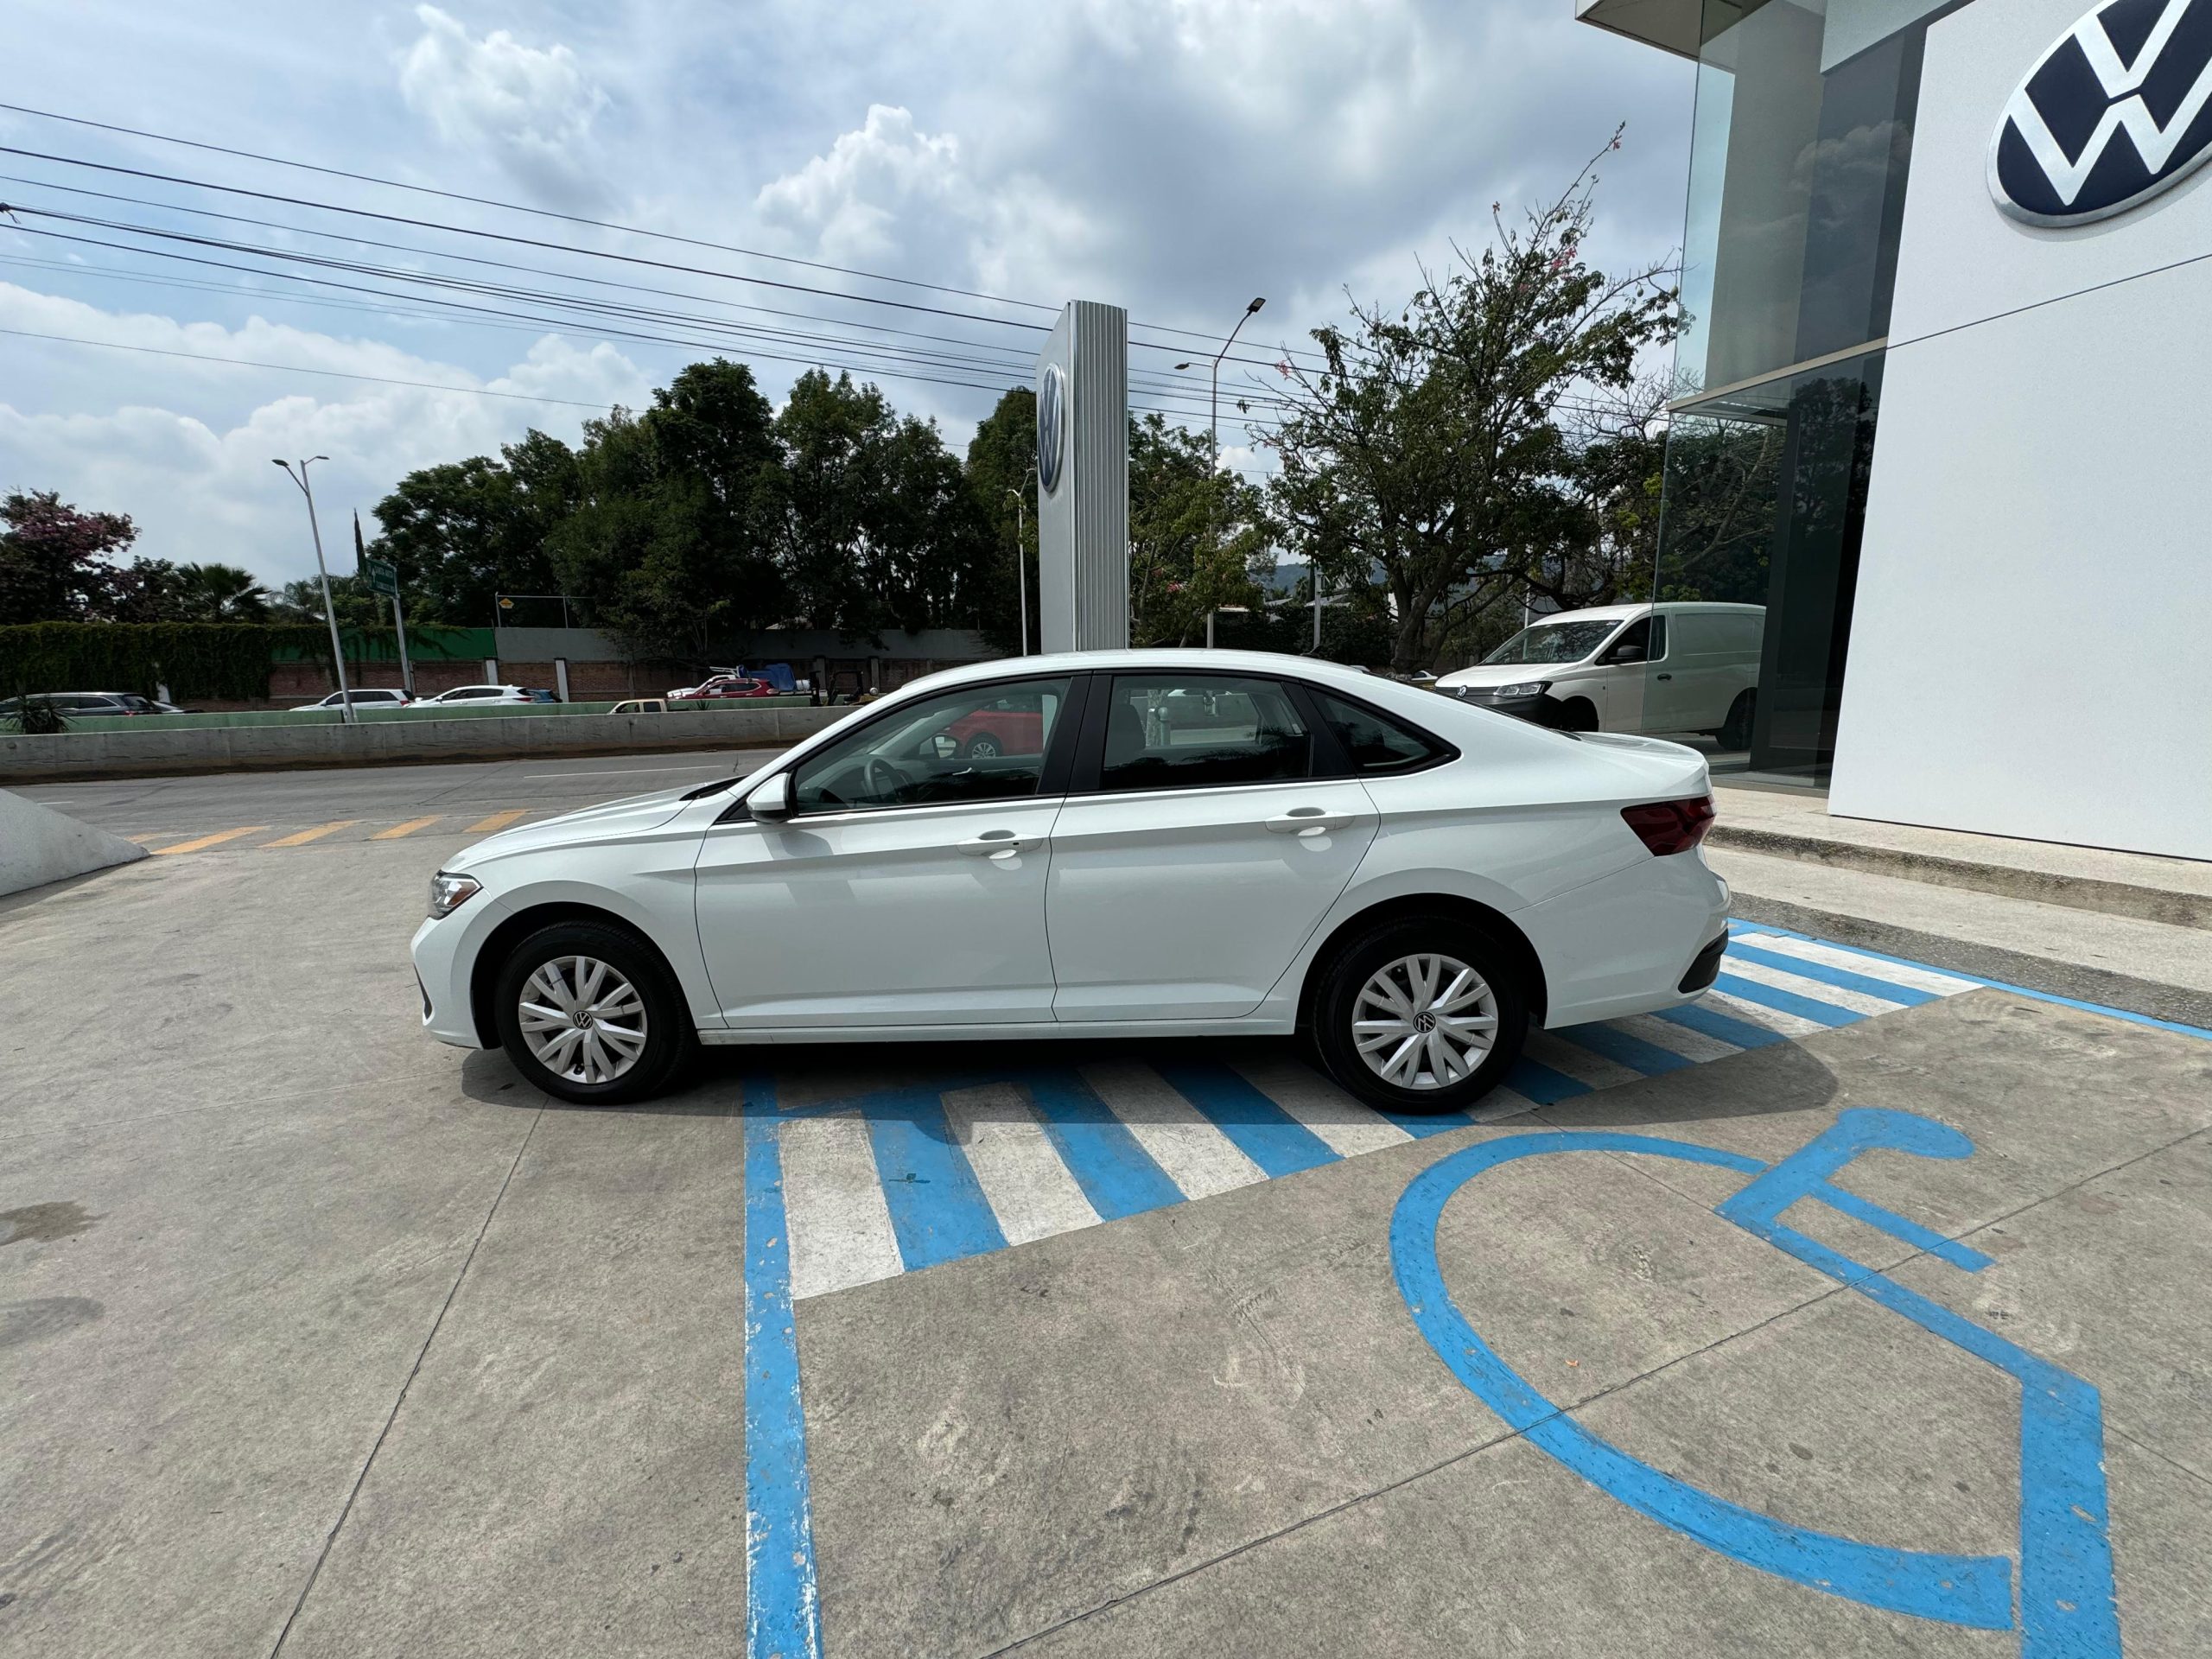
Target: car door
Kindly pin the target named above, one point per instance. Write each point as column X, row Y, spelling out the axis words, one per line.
column 908, row 887
column 1202, row 844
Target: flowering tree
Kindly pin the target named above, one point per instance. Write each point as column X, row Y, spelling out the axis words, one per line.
column 54, row 565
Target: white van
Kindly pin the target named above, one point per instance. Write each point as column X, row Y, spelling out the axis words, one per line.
column 1677, row 667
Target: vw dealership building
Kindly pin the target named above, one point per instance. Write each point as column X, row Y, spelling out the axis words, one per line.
column 1945, row 404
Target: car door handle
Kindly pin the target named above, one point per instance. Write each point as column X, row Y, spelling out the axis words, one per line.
column 1666, row 676
column 1000, row 843
column 1304, row 820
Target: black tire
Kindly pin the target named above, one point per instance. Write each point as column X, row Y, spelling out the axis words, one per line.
column 984, row 746
column 1735, row 732
column 1347, row 973
column 1578, row 715
column 669, row 1040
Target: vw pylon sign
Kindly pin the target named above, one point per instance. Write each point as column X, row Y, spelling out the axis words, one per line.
column 2119, row 109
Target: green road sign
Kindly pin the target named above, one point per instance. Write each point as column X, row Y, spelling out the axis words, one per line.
column 384, row 577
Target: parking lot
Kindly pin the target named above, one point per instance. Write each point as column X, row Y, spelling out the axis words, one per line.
column 1862, row 1309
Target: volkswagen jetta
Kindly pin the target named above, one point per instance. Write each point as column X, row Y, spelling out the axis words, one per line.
column 1166, row 843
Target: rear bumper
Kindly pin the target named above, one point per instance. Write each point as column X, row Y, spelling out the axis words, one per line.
column 1705, row 967
column 1618, row 945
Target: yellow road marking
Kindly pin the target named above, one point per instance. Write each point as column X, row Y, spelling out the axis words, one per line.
column 497, row 821
column 215, row 839
column 406, row 828
column 315, row 834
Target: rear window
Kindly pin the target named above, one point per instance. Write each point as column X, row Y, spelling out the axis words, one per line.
column 1372, row 741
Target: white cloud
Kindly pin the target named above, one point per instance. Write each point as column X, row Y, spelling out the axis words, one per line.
column 531, row 108
column 849, row 203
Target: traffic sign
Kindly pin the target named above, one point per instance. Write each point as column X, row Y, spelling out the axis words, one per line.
column 384, row 577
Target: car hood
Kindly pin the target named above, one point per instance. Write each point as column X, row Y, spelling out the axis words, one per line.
column 1488, row 674
column 634, row 815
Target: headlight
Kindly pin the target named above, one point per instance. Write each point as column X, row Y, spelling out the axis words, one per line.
column 1525, row 688
column 450, row 893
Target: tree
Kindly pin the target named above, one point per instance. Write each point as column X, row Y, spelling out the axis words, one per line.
column 1196, row 536
column 463, row 532
column 1002, row 465
column 1429, row 456
column 54, row 559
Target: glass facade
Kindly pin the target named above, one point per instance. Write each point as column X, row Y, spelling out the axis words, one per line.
column 1799, row 157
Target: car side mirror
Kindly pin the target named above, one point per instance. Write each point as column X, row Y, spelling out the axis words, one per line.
column 943, row 747
column 772, row 802
column 1628, row 654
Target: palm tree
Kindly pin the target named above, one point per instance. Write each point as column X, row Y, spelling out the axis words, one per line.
column 222, row 593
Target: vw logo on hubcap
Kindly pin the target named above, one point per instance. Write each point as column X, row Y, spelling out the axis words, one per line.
column 1424, row 1023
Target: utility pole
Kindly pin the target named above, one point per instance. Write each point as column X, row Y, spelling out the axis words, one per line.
column 1022, row 559
column 329, row 610
column 1213, row 423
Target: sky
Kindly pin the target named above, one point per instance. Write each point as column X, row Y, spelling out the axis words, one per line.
column 1177, row 157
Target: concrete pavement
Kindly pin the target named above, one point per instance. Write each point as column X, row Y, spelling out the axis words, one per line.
column 317, row 1338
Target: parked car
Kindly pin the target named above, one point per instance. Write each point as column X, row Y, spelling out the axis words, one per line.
column 1413, row 880
column 724, row 685
column 1008, row 725
column 479, row 694
column 640, row 706
column 366, row 697
column 1673, row 667
column 79, row 705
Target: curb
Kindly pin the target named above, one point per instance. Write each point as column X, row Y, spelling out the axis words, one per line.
column 2176, row 909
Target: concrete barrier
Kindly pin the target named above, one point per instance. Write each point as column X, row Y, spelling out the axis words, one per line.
column 123, row 751
column 39, row 845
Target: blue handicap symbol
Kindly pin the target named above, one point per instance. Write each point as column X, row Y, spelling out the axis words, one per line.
column 2066, row 1606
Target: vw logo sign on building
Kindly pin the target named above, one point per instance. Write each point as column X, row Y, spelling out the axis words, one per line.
column 1051, row 426
column 2117, row 111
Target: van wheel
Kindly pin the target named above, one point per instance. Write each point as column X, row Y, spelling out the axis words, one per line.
column 589, row 1013
column 1421, row 1016
column 1735, row 732
column 1578, row 715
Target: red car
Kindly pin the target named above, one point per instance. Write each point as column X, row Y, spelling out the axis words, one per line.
column 725, row 685
column 1012, row 725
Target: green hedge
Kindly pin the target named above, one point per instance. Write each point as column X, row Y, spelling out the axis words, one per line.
column 228, row 660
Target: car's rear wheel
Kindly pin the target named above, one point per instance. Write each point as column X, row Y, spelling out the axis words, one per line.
column 589, row 1013
column 1420, row 1015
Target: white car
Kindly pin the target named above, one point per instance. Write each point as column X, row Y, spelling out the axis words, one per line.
column 1682, row 666
column 479, row 694
column 363, row 697
column 1188, row 843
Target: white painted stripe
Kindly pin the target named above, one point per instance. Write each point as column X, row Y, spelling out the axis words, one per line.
column 1806, row 985
column 1576, row 1061
column 1030, row 1191
column 833, row 1206
column 1197, row 1156
column 1836, row 956
column 1501, row 1104
column 1676, row 1039
column 1758, row 1014
column 1344, row 1125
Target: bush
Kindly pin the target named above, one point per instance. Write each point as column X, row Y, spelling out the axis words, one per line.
column 32, row 716
column 227, row 660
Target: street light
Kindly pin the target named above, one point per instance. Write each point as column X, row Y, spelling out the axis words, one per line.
column 1213, row 409
column 1022, row 559
column 329, row 610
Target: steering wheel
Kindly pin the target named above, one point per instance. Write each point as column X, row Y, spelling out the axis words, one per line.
column 881, row 780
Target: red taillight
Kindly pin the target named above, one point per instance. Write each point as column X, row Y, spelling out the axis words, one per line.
column 1670, row 826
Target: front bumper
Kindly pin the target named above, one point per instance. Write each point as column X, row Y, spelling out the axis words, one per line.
column 441, row 969
column 1540, row 708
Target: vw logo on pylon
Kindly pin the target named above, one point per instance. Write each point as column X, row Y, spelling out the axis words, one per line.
column 2119, row 109
column 1051, row 426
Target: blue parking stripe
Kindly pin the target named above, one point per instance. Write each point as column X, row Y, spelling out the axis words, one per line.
column 1622, row 1049
column 1714, row 1023
column 1262, row 1130
column 937, row 1210
column 1541, row 1083
column 1910, row 995
column 1805, row 1008
column 1421, row 1125
column 1116, row 1173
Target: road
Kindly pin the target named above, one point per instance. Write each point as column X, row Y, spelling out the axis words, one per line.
column 319, row 1339
column 255, row 809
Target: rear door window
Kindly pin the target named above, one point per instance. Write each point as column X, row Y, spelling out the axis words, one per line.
column 1185, row 731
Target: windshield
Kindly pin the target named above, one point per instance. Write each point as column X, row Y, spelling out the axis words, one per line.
column 1554, row 642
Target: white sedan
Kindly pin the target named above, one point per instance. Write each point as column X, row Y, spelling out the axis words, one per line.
column 1155, row 843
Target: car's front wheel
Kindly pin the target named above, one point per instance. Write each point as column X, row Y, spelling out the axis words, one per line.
column 589, row 1013
column 1421, row 1016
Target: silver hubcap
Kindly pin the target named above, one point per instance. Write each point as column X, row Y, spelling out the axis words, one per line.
column 583, row 1021
column 1425, row 1022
